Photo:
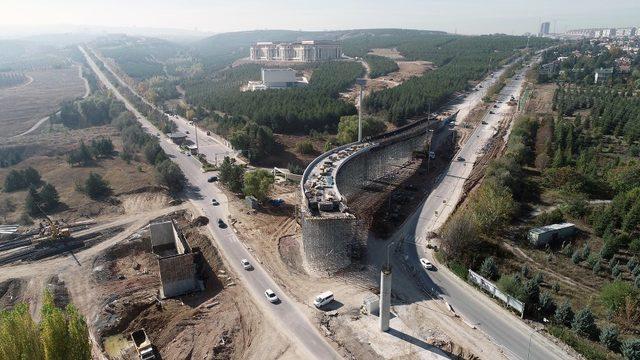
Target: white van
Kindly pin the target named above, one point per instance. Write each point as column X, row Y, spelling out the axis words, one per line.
column 323, row 299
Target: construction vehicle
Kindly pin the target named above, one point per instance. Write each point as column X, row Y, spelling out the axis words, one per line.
column 53, row 231
column 143, row 345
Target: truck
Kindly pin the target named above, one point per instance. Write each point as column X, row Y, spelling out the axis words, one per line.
column 143, row 345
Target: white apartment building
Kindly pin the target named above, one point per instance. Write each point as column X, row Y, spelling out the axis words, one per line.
column 303, row 51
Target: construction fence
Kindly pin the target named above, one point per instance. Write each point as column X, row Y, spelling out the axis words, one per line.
column 489, row 287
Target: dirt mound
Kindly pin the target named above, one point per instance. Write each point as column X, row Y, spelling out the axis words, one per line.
column 139, row 203
column 11, row 292
column 289, row 249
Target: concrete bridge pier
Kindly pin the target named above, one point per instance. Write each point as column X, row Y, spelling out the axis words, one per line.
column 385, row 297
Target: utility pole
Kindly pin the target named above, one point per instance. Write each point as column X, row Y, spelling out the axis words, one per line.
column 195, row 128
column 361, row 83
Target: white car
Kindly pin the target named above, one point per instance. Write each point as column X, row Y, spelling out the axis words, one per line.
column 246, row 264
column 271, row 296
column 427, row 264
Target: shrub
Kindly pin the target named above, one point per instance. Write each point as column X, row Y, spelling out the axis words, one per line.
column 636, row 270
column 49, row 197
column 511, row 285
column 584, row 324
column 524, row 271
column 547, row 304
column 489, row 269
column 634, row 245
column 32, row 202
column 597, row 267
column 637, row 282
column 609, row 337
column 586, row 250
column 81, row 156
column 564, row 313
column 531, row 293
column 96, row 187
column 632, row 263
column 31, row 177
column 231, row 174
column 567, row 249
column 556, row 287
column 538, row 278
column 170, row 175
column 576, row 258
column 295, row 169
column 305, row 147
column 258, row 184
column 613, row 294
column 102, row 147
column 13, row 181
column 631, row 349
column 615, row 270
column 593, row 259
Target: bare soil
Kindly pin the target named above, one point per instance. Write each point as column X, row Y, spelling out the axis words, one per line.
column 23, row 106
column 133, row 184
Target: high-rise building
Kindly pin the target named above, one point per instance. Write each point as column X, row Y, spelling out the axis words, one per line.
column 544, row 28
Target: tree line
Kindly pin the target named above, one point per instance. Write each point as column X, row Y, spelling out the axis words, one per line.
column 380, row 65
column 284, row 111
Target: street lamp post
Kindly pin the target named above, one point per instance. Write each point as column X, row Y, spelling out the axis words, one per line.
column 195, row 128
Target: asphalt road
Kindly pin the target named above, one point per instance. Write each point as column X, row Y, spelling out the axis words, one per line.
column 287, row 316
column 518, row 339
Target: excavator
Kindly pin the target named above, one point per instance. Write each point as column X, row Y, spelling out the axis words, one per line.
column 53, row 230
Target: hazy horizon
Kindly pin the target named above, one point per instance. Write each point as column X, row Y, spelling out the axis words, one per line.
column 201, row 17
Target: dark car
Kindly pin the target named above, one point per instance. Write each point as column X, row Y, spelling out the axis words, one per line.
column 212, row 179
column 221, row 224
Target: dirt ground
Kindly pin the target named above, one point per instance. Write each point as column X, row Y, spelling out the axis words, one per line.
column 541, row 101
column 116, row 287
column 47, row 154
column 390, row 53
column 23, row 106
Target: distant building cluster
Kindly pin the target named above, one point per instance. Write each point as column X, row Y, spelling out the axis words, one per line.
column 277, row 79
column 303, row 51
column 604, row 32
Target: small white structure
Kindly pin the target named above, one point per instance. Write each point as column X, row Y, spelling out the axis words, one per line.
column 543, row 235
column 277, row 79
column 602, row 75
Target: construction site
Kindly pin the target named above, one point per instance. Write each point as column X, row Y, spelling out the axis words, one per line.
column 344, row 188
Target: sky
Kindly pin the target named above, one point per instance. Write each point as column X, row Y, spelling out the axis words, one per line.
column 214, row 16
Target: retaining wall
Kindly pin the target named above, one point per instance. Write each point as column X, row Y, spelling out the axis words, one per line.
column 328, row 241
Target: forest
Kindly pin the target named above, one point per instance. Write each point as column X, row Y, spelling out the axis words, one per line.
column 459, row 60
column 380, row 65
column 284, row 111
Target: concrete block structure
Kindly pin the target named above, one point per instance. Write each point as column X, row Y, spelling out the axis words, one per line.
column 303, row 51
column 544, row 235
column 277, row 79
column 175, row 260
column 330, row 230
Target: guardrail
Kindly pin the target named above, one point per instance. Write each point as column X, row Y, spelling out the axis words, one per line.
column 489, row 287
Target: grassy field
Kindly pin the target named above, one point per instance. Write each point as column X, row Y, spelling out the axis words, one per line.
column 47, row 153
column 22, row 106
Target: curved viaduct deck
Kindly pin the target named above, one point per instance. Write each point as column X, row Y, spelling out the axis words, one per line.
column 330, row 230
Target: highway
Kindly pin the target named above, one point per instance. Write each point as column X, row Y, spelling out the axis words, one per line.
column 214, row 147
column 286, row 317
column 505, row 329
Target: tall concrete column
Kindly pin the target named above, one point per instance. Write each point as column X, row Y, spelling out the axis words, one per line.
column 385, row 297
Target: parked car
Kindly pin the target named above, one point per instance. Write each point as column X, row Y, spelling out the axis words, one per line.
column 214, row 202
column 460, row 158
column 271, row 296
column 323, row 299
column 491, row 112
column 187, row 131
column 221, row 224
column 484, row 122
column 246, row 264
column 212, row 179
column 426, row 264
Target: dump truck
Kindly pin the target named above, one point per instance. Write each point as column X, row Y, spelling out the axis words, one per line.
column 143, row 345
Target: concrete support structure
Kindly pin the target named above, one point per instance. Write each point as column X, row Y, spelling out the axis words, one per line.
column 385, row 298
column 331, row 233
